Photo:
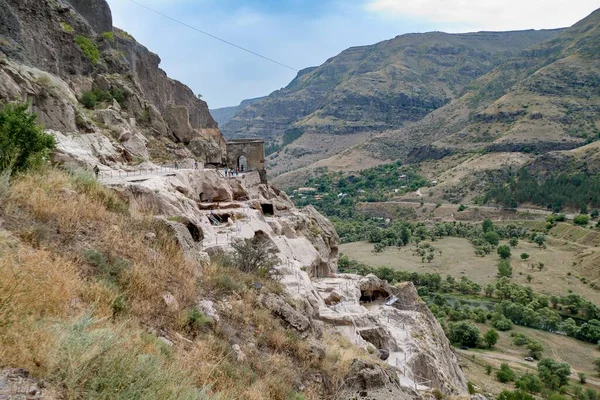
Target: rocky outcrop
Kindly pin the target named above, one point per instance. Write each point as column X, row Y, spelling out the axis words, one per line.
column 51, row 52
column 96, row 12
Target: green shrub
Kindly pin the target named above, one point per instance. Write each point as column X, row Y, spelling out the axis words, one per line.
column 514, row 242
column 109, row 36
column 524, row 256
column 66, row 27
column 23, row 143
column 89, row 100
column 111, row 268
column 465, row 334
column 505, row 269
column 502, row 323
column 506, row 374
column 504, row 251
column 581, row 219
column 492, row 238
column 196, row 321
column 89, row 48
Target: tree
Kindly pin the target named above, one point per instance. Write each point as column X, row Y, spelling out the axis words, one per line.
column 505, row 269
column 504, row 251
column 253, row 255
column 535, row 348
column 529, row 383
column 491, row 338
column 554, row 374
column 529, row 278
column 581, row 219
column 582, row 377
column 514, row 242
column 540, row 239
column 488, row 369
column 487, row 225
column 464, row 334
column 502, row 324
column 492, row 238
column 23, row 143
column 524, row 256
column 505, row 374
column 489, row 290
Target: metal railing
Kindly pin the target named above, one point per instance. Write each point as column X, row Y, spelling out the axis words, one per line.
column 155, row 170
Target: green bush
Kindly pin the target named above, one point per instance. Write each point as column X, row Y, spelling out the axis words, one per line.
column 109, row 36
column 196, row 321
column 89, row 48
column 89, row 100
column 504, row 251
column 23, row 143
column 492, row 238
column 66, row 27
column 465, row 334
column 502, row 323
column 581, row 219
column 506, row 374
column 505, row 269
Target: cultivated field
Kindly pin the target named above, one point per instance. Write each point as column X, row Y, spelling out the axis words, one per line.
column 458, row 259
column 577, row 354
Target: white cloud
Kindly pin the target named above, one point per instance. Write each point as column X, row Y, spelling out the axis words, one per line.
column 465, row 15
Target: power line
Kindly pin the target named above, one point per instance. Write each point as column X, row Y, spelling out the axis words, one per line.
column 213, row 36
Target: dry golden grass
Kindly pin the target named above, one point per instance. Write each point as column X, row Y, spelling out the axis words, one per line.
column 58, row 305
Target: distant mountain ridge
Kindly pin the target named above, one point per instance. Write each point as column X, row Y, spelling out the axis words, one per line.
column 382, row 86
column 224, row 114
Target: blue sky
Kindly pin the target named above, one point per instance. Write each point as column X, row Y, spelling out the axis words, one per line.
column 304, row 33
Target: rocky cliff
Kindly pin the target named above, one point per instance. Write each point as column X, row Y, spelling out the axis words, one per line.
column 206, row 213
column 54, row 53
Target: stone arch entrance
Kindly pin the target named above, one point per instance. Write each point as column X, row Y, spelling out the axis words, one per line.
column 242, row 163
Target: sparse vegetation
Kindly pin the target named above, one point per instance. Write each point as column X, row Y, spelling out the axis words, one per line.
column 88, row 48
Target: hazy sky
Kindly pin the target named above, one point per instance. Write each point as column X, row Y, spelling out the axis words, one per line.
column 304, row 33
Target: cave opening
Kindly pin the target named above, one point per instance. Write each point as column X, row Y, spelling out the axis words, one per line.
column 370, row 296
column 267, row 209
column 196, row 232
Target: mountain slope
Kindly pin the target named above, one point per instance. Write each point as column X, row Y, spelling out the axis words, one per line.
column 225, row 114
column 547, row 98
column 381, row 86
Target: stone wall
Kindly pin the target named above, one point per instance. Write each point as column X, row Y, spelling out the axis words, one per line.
column 252, row 149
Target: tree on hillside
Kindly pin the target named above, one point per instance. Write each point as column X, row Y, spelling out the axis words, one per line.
column 487, row 225
column 529, row 383
column 505, row 269
column 491, row 338
column 23, row 143
column 524, row 256
column 492, row 238
column 554, row 374
column 540, row 239
column 504, row 251
column 464, row 333
column 506, row 374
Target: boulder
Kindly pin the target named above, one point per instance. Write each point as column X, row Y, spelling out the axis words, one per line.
column 208, row 308
column 287, row 313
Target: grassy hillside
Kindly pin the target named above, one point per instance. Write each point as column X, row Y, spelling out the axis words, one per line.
column 546, row 98
column 381, row 86
column 86, row 303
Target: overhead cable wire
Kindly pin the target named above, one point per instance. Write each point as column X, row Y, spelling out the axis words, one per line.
column 213, row 36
